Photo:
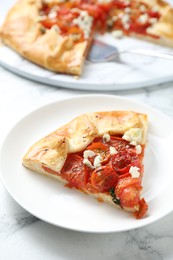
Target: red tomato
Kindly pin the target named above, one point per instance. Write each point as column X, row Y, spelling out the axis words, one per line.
column 48, row 23
column 153, row 14
column 125, row 175
column 63, row 11
column 73, row 171
column 103, row 178
column 66, row 15
column 130, row 197
column 128, row 191
column 121, row 4
column 123, row 160
column 119, row 143
column 99, row 149
column 126, row 183
column 143, row 207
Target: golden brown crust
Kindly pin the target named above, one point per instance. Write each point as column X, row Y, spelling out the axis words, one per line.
column 23, row 32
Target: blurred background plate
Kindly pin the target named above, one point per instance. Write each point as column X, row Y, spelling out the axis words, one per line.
column 129, row 72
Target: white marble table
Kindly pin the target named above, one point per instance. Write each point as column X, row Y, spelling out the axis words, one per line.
column 22, row 236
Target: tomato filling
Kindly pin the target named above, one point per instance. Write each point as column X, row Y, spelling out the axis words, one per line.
column 80, row 18
column 106, row 166
column 134, row 17
column 62, row 18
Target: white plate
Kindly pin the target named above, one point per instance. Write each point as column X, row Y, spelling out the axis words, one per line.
column 50, row 201
column 134, row 71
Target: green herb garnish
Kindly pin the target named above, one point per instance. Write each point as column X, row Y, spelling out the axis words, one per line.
column 114, row 198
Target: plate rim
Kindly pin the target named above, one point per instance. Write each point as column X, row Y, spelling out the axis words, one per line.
column 50, row 103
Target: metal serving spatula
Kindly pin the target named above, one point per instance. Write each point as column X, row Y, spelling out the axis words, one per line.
column 102, row 52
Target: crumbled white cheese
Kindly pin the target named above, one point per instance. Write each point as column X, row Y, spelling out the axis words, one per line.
column 125, row 18
column 153, row 20
column 127, row 10
column 88, row 153
column 143, row 18
column 88, row 163
column 117, row 34
column 97, row 161
column 84, row 21
column 138, row 149
column 106, row 138
column 112, row 150
column 142, row 8
column 133, row 135
column 52, row 15
column 134, row 172
column 126, row 26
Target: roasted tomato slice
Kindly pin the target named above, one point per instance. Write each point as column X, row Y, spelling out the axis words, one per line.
column 125, row 157
column 63, row 19
column 103, row 178
column 100, row 149
column 74, row 171
column 119, row 143
column 48, row 23
column 128, row 191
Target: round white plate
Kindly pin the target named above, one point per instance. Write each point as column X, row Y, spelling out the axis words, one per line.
column 131, row 71
column 50, row 201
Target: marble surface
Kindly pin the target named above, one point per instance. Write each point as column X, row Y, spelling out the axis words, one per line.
column 24, row 237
